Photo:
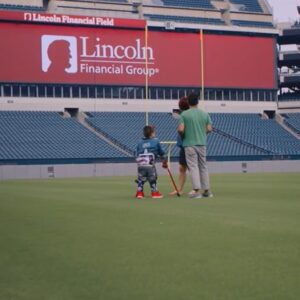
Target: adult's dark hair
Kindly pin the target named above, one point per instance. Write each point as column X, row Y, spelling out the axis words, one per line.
column 193, row 99
column 183, row 103
column 148, row 130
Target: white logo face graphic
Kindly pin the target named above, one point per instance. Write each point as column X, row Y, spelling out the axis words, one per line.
column 59, row 53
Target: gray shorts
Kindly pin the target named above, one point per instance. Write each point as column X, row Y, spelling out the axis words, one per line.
column 147, row 173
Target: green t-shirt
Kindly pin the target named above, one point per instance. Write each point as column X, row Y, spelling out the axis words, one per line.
column 195, row 123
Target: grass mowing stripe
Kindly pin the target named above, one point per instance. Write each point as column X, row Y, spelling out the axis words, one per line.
column 91, row 239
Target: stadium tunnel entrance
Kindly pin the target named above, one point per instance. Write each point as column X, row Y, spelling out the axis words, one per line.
column 270, row 113
column 71, row 112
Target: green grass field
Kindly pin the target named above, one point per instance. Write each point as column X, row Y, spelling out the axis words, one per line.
column 69, row 239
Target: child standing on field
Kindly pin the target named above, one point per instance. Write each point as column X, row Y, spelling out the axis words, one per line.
column 147, row 151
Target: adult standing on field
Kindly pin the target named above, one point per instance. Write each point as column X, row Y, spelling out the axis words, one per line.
column 183, row 105
column 194, row 125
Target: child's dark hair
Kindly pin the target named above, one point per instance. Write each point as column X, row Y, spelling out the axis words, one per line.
column 193, row 99
column 148, row 130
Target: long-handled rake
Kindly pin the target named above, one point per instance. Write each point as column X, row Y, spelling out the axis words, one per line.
column 173, row 181
column 170, row 144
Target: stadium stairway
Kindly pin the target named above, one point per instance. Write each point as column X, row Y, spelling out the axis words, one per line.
column 222, row 144
column 81, row 118
column 240, row 141
column 34, row 137
column 84, row 136
column 262, row 132
column 282, row 122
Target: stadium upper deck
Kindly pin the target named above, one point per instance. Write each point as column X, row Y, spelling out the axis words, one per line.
column 289, row 66
column 236, row 59
column 242, row 13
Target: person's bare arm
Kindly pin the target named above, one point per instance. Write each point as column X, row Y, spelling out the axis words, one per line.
column 181, row 129
column 209, row 128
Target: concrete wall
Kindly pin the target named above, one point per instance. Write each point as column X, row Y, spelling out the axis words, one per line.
column 37, row 3
column 125, row 105
column 129, row 169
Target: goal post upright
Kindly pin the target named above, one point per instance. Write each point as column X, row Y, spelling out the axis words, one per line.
column 170, row 145
column 146, row 77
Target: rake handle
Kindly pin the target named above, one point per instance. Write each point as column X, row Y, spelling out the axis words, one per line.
column 173, row 181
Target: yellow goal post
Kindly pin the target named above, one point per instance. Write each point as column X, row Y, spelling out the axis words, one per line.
column 170, row 145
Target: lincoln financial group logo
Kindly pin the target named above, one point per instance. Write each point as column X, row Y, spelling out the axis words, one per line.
column 59, row 54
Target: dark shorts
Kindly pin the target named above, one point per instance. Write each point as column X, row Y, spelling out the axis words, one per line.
column 147, row 173
column 182, row 159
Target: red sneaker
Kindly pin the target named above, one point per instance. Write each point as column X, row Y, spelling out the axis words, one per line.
column 140, row 195
column 156, row 195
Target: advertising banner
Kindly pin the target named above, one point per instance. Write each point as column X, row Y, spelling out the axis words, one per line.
column 39, row 53
column 64, row 19
column 239, row 61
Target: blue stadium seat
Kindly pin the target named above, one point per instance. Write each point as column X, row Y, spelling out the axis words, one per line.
column 46, row 135
column 121, row 1
column 21, row 7
column 264, row 134
column 252, row 24
column 205, row 4
column 293, row 121
column 231, row 140
column 289, row 97
column 183, row 19
column 248, row 5
column 49, row 136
